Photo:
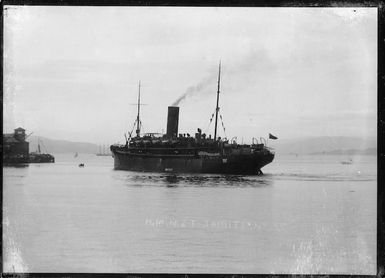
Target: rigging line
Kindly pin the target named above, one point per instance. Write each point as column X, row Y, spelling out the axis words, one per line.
column 208, row 126
column 141, row 127
column 223, row 125
column 132, row 130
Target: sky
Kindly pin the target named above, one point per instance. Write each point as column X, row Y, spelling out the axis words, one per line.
column 72, row 73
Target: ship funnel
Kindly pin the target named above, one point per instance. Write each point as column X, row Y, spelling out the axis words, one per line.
column 172, row 121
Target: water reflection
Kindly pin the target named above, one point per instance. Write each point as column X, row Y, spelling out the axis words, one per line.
column 348, row 176
column 172, row 180
column 196, row 180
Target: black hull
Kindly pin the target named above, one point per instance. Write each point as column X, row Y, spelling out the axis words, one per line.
column 250, row 164
column 42, row 160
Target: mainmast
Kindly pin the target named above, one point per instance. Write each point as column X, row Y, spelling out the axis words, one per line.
column 137, row 117
column 217, row 108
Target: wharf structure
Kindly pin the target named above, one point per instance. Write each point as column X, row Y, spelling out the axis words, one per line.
column 16, row 149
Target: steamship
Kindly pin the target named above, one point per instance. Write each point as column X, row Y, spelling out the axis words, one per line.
column 182, row 153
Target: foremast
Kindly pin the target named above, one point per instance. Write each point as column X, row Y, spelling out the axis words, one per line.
column 138, row 123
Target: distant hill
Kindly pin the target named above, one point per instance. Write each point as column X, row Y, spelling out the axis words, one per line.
column 61, row 146
column 323, row 144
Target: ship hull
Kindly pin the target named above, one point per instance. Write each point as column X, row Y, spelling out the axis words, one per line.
column 235, row 164
column 41, row 158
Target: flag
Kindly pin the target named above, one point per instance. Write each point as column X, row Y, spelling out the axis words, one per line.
column 271, row 136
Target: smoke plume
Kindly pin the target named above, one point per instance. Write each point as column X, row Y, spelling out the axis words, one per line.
column 196, row 89
column 251, row 65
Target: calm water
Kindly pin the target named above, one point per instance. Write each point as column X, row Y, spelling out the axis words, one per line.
column 307, row 214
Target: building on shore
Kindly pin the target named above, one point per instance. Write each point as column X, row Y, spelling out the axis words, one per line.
column 15, row 147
